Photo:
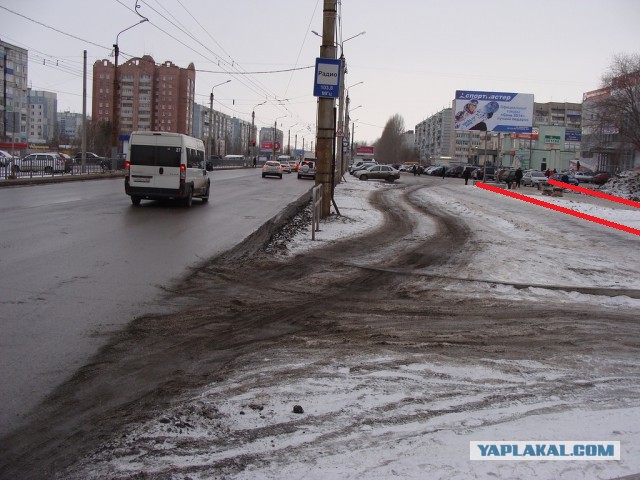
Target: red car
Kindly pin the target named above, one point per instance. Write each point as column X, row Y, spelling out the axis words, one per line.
column 600, row 178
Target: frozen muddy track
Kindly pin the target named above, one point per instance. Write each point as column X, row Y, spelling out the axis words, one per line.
column 356, row 293
column 154, row 360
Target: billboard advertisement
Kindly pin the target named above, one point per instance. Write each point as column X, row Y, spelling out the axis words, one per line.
column 493, row 111
column 266, row 140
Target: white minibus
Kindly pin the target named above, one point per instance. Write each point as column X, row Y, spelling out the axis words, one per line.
column 164, row 165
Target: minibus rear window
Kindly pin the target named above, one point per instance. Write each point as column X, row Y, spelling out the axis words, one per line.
column 155, row 156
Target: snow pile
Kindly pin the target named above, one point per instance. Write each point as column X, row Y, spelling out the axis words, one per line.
column 625, row 185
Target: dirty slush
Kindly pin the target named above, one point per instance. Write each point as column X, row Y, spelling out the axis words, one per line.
column 309, row 315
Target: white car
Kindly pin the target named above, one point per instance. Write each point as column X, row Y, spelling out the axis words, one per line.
column 533, row 178
column 272, row 168
column 43, row 162
column 584, row 177
column 6, row 158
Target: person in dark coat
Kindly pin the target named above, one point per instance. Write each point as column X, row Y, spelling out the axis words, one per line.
column 444, row 170
column 518, row 177
column 466, row 173
column 414, row 170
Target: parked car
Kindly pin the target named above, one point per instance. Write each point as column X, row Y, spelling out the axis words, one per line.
column 50, row 162
column 571, row 180
column 533, row 178
column 272, row 168
column 507, row 175
column 361, row 164
column 488, row 171
column 585, row 177
column 121, row 162
column 307, row 168
column 382, row 172
column 91, row 158
column 455, row 171
column 601, row 178
column 6, row 158
column 437, row 171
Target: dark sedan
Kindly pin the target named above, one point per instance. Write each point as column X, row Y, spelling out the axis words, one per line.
column 571, row 180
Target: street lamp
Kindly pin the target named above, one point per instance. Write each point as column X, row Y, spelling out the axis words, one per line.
column 275, row 131
column 210, row 118
column 253, row 133
column 350, row 38
column 116, row 92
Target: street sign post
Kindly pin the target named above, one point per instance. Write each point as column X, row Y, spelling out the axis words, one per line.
column 327, row 79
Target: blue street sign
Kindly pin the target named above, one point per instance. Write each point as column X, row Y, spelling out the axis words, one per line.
column 327, row 79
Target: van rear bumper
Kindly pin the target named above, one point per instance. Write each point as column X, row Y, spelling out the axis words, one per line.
column 154, row 193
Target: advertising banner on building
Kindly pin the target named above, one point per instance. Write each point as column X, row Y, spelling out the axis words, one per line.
column 493, row 111
column 528, row 136
column 596, row 94
column 364, row 151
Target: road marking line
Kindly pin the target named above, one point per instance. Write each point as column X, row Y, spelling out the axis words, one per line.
column 588, row 191
column 557, row 208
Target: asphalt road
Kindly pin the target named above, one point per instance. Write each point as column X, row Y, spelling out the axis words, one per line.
column 78, row 262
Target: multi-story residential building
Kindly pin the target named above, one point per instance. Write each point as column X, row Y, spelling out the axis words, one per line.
column 69, row 125
column 43, row 107
column 151, row 97
column 217, row 139
column 14, row 114
column 433, row 138
column 466, row 146
column 240, row 135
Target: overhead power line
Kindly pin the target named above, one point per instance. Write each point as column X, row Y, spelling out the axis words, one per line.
column 53, row 28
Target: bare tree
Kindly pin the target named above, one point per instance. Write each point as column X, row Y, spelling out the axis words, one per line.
column 389, row 145
column 621, row 109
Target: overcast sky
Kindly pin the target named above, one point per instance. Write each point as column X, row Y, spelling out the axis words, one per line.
column 413, row 57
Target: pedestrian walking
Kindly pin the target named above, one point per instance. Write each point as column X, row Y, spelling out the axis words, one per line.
column 414, row 170
column 518, row 177
column 444, row 170
column 466, row 173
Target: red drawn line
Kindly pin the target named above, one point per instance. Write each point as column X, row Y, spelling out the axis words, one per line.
column 595, row 193
column 558, row 208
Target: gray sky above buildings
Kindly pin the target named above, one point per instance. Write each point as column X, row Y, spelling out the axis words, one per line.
column 414, row 56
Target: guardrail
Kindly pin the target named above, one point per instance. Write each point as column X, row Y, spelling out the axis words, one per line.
column 316, row 209
column 37, row 170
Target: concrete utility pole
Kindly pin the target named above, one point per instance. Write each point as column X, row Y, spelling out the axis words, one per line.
column 325, row 132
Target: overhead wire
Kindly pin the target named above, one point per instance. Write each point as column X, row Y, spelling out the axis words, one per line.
column 194, row 38
column 252, row 84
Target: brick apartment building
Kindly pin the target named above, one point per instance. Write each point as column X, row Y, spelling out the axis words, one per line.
column 152, row 97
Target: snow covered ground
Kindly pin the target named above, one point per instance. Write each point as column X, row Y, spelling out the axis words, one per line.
column 377, row 415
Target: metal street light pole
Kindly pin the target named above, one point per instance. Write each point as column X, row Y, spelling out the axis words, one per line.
column 347, row 133
column 253, row 132
column 116, row 93
column 275, row 135
column 341, row 126
column 211, row 117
